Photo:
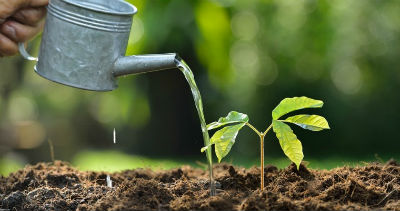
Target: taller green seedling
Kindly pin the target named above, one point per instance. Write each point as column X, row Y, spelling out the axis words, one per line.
column 224, row 138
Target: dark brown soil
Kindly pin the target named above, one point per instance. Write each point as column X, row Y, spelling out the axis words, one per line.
column 59, row 186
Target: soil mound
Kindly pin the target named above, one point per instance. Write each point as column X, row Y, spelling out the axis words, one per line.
column 58, row 186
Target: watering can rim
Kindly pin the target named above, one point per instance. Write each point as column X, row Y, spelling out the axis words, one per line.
column 133, row 9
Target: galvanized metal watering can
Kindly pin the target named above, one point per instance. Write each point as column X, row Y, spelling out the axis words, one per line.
column 84, row 42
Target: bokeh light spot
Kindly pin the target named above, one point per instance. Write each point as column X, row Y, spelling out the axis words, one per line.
column 269, row 72
column 245, row 25
column 137, row 31
column 108, row 109
column 29, row 134
column 22, row 108
column 347, row 78
column 244, row 58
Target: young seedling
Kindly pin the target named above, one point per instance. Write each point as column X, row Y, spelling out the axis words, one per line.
column 224, row 138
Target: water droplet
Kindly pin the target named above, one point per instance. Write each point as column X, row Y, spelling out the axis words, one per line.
column 115, row 136
column 109, row 181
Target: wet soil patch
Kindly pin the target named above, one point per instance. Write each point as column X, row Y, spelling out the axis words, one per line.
column 58, row 186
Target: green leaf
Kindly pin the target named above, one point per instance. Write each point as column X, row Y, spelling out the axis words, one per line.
column 290, row 145
column 296, row 103
column 224, row 139
column 233, row 117
column 309, row 122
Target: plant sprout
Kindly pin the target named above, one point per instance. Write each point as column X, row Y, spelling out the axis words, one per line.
column 224, row 138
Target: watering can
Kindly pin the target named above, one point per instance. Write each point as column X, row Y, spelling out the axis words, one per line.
column 84, row 42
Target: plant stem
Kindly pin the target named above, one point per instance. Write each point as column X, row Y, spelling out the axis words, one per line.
column 262, row 136
column 50, row 142
column 253, row 128
column 262, row 161
column 213, row 191
column 266, row 131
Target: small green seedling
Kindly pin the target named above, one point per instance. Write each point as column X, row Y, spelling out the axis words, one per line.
column 224, row 138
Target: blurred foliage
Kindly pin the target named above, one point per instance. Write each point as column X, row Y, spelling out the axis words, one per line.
column 117, row 161
column 247, row 56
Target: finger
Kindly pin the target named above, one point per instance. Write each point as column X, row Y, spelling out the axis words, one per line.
column 8, row 8
column 37, row 3
column 7, row 46
column 30, row 16
column 19, row 32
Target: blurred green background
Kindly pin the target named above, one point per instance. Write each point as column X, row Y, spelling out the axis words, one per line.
column 246, row 56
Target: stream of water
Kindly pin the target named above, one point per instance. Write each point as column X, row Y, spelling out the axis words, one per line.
column 199, row 106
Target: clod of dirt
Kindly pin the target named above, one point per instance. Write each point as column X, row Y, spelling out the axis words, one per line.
column 15, row 200
column 58, row 186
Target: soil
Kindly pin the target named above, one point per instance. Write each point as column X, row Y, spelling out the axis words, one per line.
column 58, row 186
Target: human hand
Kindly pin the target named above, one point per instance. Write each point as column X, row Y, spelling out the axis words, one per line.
column 20, row 20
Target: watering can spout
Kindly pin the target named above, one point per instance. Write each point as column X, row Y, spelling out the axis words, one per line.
column 144, row 63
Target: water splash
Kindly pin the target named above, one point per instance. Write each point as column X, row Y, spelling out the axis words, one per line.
column 199, row 106
column 109, row 181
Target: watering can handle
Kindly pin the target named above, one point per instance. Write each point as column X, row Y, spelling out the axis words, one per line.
column 22, row 51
